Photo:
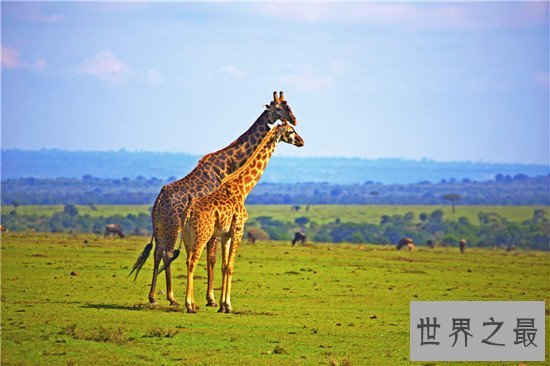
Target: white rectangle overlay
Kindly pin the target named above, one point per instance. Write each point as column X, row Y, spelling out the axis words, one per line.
column 477, row 331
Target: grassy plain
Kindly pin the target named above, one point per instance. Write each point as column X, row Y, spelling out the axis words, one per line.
column 66, row 301
column 318, row 213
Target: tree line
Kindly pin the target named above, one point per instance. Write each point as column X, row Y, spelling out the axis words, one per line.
column 502, row 190
column 491, row 229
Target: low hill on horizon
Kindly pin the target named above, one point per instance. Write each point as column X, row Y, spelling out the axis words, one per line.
column 52, row 163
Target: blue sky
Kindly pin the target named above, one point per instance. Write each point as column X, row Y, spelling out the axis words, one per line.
column 444, row 81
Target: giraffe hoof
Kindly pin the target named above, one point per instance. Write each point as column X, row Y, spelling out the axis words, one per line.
column 174, row 303
column 212, row 304
column 224, row 309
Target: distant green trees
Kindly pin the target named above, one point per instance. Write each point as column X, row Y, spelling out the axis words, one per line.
column 70, row 221
column 490, row 229
column 504, row 190
column 453, row 198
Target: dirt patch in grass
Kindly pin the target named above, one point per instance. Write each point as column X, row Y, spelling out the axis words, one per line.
column 417, row 271
column 101, row 334
column 405, row 259
column 253, row 313
column 159, row 332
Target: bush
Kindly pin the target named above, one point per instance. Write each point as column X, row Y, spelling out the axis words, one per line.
column 70, row 210
column 258, row 233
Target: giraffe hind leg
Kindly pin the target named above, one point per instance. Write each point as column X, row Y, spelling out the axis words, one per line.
column 157, row 258
column 212, row 247
column 169, row 290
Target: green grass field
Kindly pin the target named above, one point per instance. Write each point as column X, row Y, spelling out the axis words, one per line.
column 66, row 301
column 318, row 213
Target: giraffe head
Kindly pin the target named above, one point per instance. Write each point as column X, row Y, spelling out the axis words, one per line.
column 278, row 109
column 286, row 133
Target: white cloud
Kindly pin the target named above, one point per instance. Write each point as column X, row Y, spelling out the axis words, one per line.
column 11, row 60
column 106, row 67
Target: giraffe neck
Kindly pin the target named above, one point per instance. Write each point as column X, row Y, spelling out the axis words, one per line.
column 226, row 161
column 253, row 137
column 246, row 178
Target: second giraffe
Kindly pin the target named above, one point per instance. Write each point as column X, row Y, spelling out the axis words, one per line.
column 223, row 214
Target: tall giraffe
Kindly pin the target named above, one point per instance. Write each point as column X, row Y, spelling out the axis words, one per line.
column 174, row 198
column 223, row 214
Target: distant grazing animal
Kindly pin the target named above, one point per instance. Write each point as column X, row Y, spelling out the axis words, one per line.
column 405, row 242
column 113, row 229
column 174, row 198
column 222, row 214
column 462, row 244
column 298, row 236
column 511, row 248
column 3, row 229
column 251, row 238
column 430, row 244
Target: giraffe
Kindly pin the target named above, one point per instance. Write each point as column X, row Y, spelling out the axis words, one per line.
column 223, row 214
column 174, row 198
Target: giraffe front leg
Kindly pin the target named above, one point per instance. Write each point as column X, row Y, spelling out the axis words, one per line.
column 225, row 256
column 192, row 260
column 212, row 247
column 189, row 294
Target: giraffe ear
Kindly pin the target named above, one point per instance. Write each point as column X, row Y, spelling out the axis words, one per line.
column 266, row 106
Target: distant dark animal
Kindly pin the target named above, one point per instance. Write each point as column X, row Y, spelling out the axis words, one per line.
column 3, row 229
column 113, row 229
column 251, row 238
column 298, row 236
column 430, row 244
column 462, row 244
column 511, row 248
column 405, row 242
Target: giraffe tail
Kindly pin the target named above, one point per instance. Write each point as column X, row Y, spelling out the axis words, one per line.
column 142, row 259
column 174, row 257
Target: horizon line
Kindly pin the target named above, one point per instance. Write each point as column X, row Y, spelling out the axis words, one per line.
column 406, row 159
